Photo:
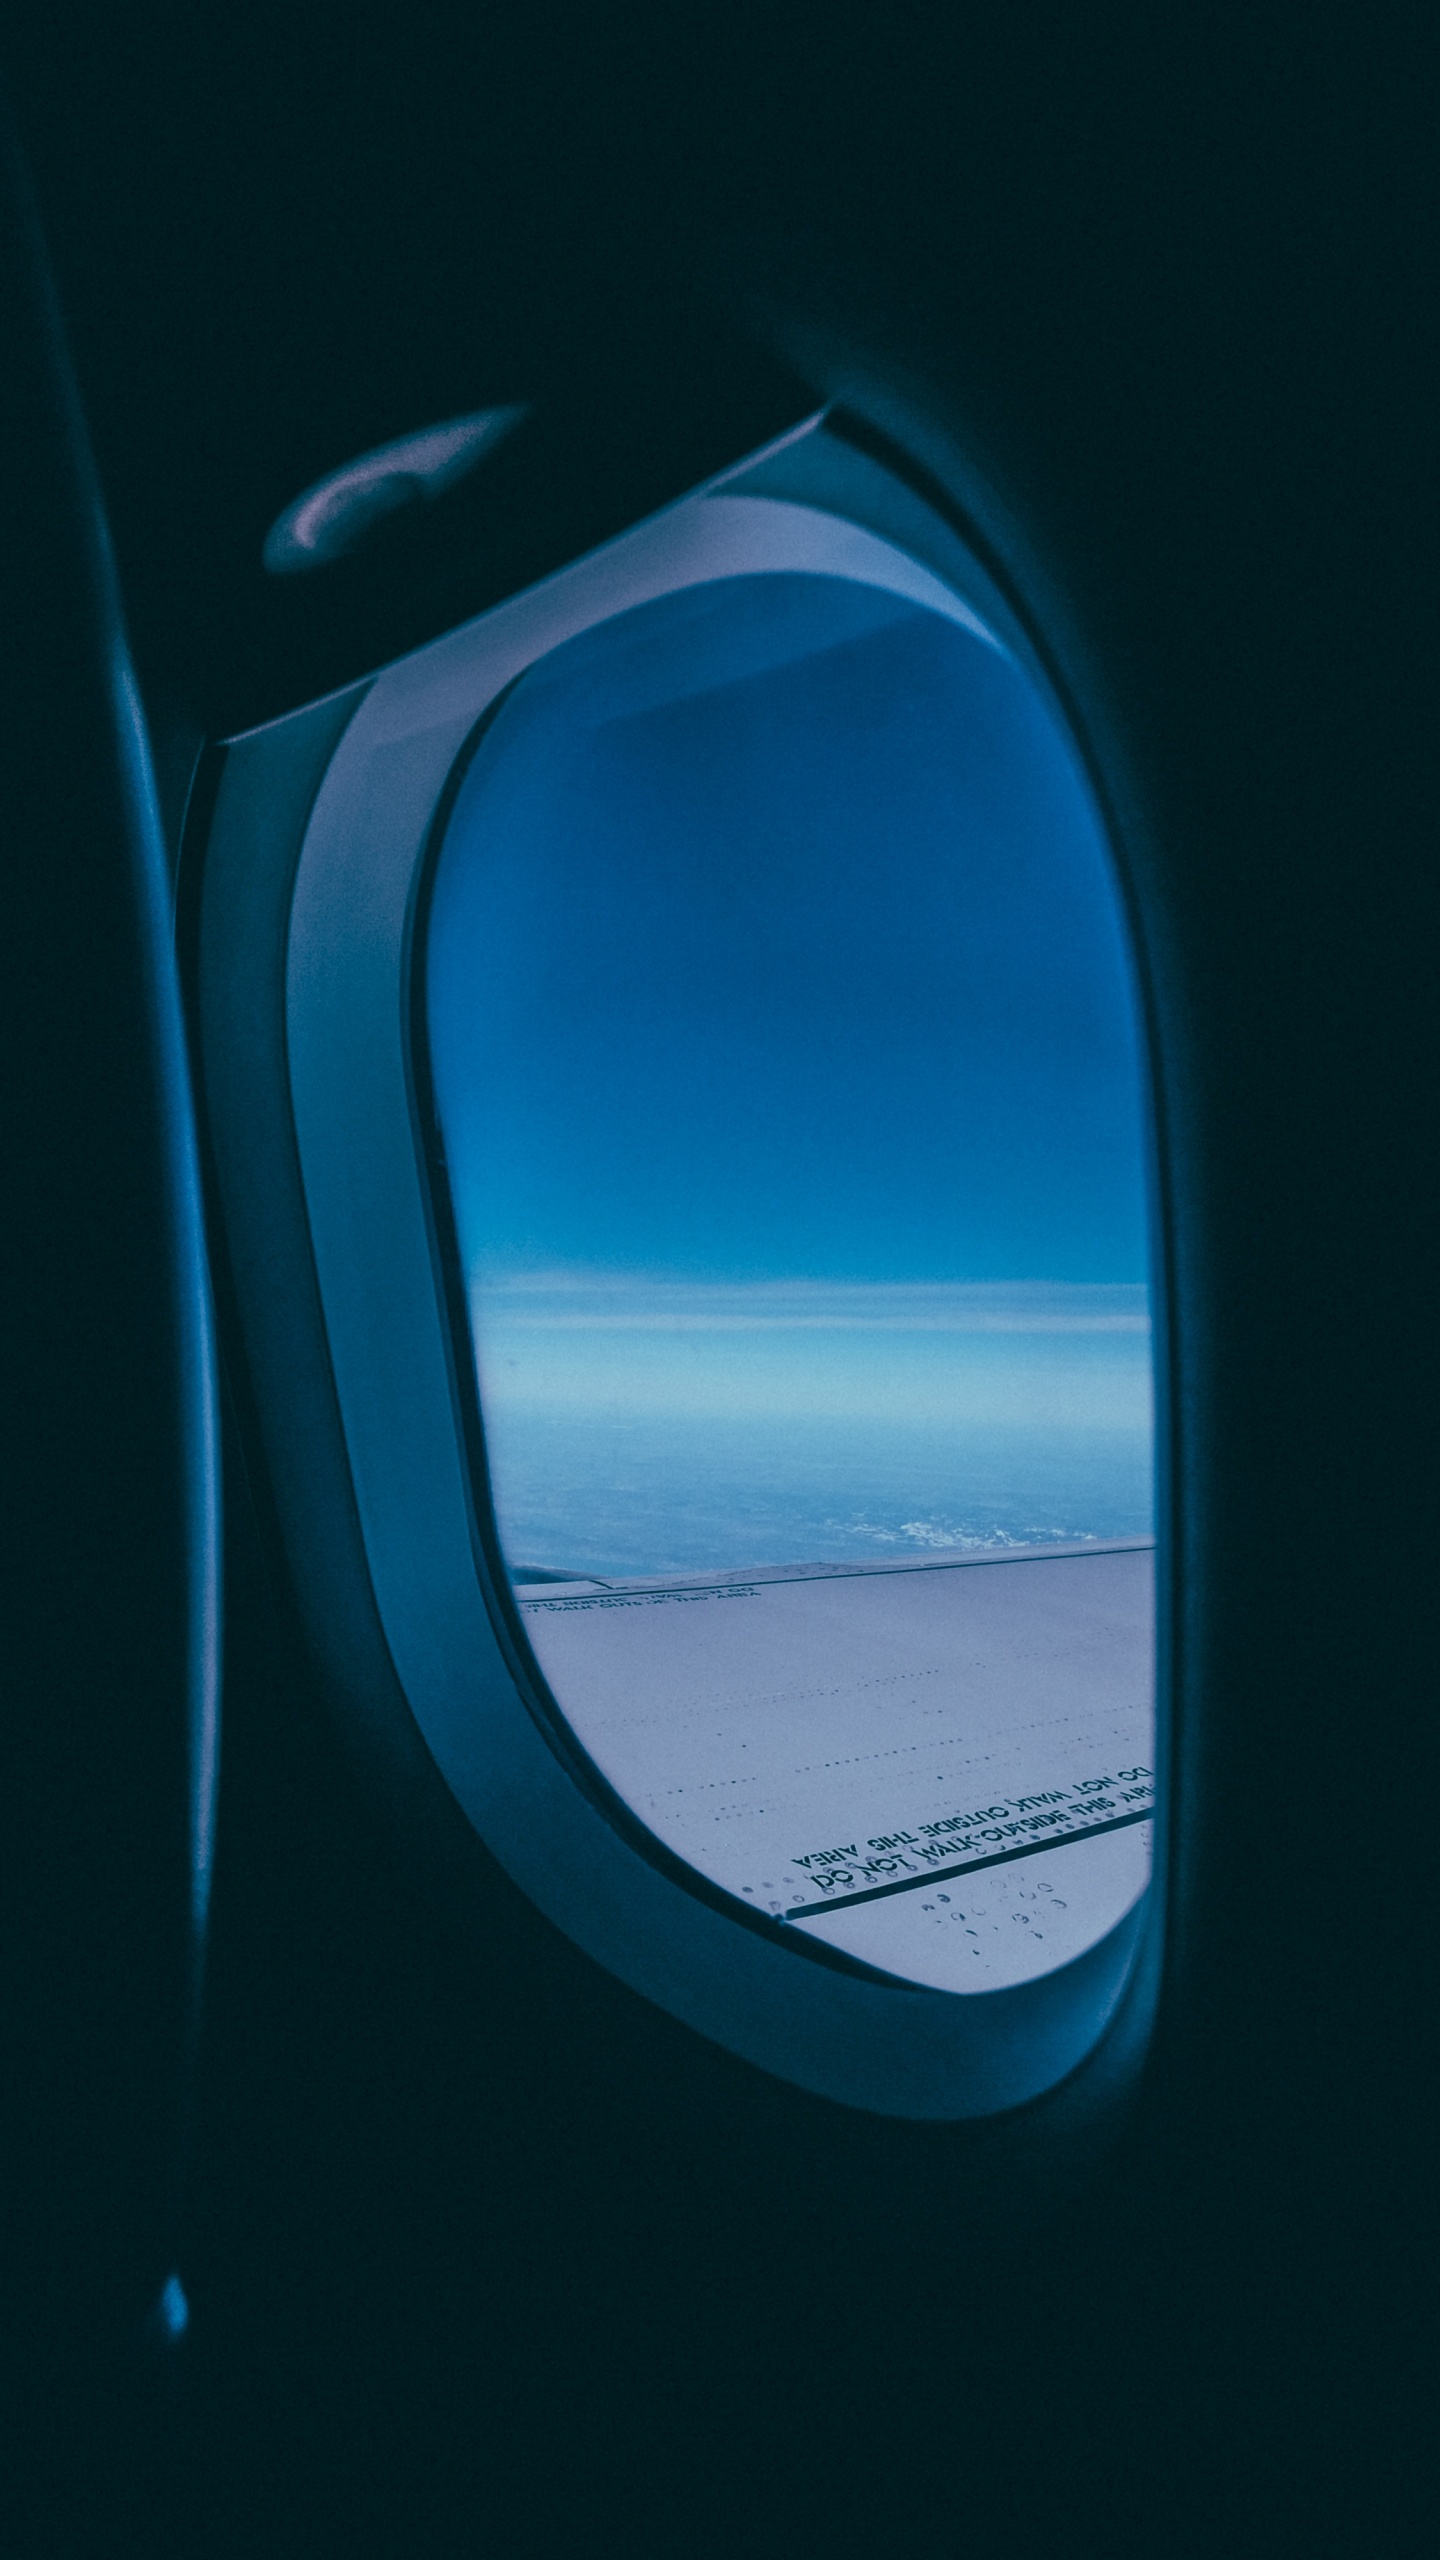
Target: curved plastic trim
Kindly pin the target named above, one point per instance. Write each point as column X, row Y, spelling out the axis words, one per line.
column 889, row 2047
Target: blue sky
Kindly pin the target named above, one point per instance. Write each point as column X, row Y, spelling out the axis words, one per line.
column 773, row 938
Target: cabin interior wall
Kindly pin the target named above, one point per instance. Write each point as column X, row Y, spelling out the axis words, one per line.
column 483, row 2251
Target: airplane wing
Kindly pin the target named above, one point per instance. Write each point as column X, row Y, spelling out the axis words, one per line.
column 943, row 1766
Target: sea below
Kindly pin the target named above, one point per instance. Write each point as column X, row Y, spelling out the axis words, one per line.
column 633, row 1498
column 636, row 1427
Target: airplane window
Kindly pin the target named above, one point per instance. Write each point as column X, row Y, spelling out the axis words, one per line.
column 783, row 1051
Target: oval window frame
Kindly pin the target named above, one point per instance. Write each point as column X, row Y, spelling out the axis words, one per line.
column 362, row 1139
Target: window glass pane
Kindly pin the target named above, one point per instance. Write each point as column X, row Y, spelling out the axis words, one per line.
column 785, row 1060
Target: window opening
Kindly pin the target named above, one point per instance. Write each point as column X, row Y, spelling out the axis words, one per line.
column 785, row 1059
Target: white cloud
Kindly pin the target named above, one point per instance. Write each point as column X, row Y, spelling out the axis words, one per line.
column 950, row 1356
column 622, row 1302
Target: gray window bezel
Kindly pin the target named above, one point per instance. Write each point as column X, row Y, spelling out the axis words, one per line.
column 346, row 918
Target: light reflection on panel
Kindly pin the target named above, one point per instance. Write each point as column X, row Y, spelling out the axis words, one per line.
column 785, row 1057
